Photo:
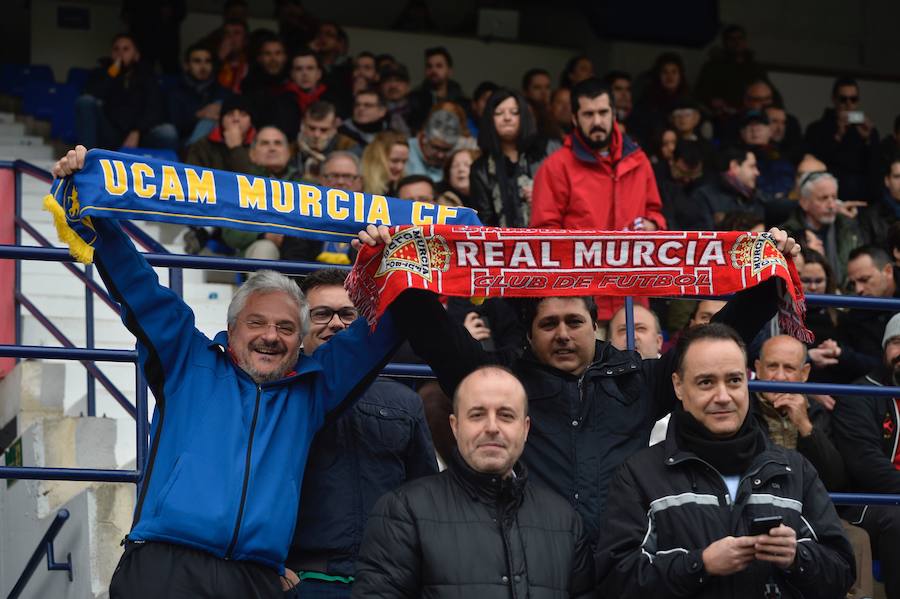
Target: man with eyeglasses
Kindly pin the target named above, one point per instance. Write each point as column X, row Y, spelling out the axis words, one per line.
column 818, row 211
column 846, row 140
column 369, row 110
column 370, row 449
column 341, row 170
column 234, row 419
column 429, row 149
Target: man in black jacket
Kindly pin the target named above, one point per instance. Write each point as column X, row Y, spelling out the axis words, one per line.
column 592, row 406
column 846, row 140
column 481, row 528
column 374, row 447
column 866, row 433
column 122, row 105
column 681, row 513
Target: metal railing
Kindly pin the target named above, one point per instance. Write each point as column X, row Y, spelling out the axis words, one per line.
column 158, row 257
column 44, row 547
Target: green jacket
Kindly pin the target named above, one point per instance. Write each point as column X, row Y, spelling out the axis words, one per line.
column 847, row 237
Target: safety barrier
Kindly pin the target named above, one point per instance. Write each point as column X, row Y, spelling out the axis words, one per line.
column 157, row 256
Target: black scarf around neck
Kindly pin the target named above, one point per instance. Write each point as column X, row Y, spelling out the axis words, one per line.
column 731, row 456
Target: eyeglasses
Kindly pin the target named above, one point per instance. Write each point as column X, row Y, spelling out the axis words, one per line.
column 812, row 280
column 848, row 99
column 283, row 329
column 348, row 177
column 324, row 314
column 438, row 150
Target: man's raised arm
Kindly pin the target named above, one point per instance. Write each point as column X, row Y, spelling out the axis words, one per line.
column 160, row 320
column 445, row 345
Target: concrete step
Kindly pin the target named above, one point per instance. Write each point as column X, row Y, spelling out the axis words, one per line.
column 7, row 117
column 16, row 152
column 11, row 128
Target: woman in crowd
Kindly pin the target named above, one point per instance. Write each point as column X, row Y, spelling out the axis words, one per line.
column 384, row 162
column 816, row 277
column 453, row 190
column 502, row 178
column 578, row 68
column 668, row 85
column 661, row 145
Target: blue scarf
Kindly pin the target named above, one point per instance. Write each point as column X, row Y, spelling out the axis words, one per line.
column 114, row 185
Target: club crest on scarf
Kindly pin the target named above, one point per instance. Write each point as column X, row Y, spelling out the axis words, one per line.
column 756, row 251
column 410, row 251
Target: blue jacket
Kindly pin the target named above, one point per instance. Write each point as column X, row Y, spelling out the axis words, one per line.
column 226, row 455
column 370, row 450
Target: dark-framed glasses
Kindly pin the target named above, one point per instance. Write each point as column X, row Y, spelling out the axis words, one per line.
column 324, row 314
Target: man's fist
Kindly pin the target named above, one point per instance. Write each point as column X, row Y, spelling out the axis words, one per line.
column 71, row 162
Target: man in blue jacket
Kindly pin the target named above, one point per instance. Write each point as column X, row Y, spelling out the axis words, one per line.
column 233, row 423
column 370, row 450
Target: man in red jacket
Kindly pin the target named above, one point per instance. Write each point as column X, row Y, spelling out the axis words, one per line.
column 600, row 179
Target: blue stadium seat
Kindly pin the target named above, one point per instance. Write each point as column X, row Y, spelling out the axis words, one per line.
column 15, row 77
column 41, row 99
column 77, row 78
column 169, row 155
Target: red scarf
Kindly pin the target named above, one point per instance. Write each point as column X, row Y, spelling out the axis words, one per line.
column 218, row 136
column 305, row 99
column 496, row 262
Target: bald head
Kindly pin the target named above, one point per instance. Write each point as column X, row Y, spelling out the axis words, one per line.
column 647, row 332
column 490, row 420
column 782, row 358
column 489, row 377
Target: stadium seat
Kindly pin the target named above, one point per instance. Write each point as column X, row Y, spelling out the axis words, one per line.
column 77, row 78
column 15, row 77
column 41, row 100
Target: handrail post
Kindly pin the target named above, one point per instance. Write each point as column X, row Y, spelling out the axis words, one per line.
column 629, row 323
column 89, row 338
column 45, row 545
column 176, row 281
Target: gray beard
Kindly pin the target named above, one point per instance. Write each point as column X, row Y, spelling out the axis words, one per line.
column 260, row 378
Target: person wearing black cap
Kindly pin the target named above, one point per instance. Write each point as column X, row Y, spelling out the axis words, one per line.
column 227, row 147
column 393, row 83
column 776, row 173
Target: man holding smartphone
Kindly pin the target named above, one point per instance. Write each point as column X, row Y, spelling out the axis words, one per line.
column 716, row 510
column 846, row 140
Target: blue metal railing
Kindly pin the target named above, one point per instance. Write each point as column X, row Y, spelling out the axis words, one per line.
column 44, row 547
column 160, row 258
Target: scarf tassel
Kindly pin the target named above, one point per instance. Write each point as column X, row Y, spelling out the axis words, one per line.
column 78, row 248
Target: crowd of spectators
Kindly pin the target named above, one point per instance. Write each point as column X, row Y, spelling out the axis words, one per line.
column 587, row 149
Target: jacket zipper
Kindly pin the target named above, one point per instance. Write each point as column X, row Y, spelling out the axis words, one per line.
column 240, row 515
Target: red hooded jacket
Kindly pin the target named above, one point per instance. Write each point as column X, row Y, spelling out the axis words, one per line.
column 577, row 188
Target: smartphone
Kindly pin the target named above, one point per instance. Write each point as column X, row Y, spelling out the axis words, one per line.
column 856, row 117
column 762, row 526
